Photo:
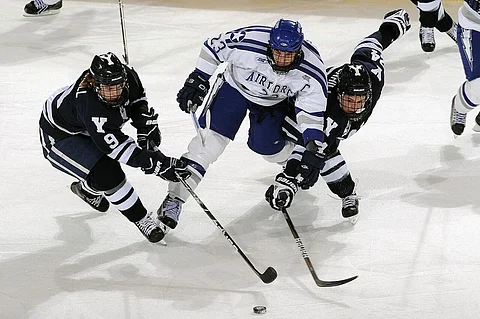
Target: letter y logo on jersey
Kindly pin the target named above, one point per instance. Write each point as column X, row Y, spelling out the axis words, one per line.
column 99, row 121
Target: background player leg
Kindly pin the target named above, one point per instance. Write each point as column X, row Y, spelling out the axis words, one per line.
column 37, row 8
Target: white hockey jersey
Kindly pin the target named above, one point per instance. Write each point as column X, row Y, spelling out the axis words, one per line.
column 248, row 70
column 469, row 15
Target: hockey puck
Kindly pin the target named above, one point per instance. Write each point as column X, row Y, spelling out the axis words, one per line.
column 259, row 310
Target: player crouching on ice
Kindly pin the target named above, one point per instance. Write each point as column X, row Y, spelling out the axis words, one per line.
column 353, row 91
column 80, row 132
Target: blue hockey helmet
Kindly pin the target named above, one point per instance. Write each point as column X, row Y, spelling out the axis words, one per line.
column 284, row 51
column 286, row 35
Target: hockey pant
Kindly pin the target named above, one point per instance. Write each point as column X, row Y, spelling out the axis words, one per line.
column 78, row 156
column 200, row 157
column 225, row 114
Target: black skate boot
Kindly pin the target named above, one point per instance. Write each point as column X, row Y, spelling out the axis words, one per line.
column 150, row 229
column 36, row 8
column 427, row 39
column 457, row 120
column 96, row 200
column 350, row 208
column 169, row 213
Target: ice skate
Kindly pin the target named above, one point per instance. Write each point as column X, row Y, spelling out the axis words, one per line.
column 150, row 229
column 350, row 208
column 457, row 120
column 38, row 8
column 427, row 39
column 96, row 200
column 169, row 213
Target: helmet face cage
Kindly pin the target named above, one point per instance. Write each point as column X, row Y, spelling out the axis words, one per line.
column 354, row 91
column 110, row 94
column 110, row 79
column 284, row 49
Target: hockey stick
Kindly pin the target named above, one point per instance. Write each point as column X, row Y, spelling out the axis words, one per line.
column 270, row 273
column 211, row 96
column 320, row 283
column 124, row 32
column 198, row 128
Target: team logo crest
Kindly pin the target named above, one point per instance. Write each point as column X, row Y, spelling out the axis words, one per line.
column 107, row 57
column 237, row 36
column 261, row 60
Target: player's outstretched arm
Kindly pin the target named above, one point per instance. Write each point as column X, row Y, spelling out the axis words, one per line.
column 395, row 24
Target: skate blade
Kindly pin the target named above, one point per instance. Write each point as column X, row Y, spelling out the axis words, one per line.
column 353, row 220
column 163, row 242
column 43, row 14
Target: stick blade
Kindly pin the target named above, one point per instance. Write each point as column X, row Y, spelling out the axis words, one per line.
column 269, row 275
column 321, row 283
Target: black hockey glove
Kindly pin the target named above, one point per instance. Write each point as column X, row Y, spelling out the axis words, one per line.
column 167, row 168
column 309, row 169
column 312, row 162
column 148, row 133
column 281, row 193
column 191, row 95
column 398, row 21
column 317, row 148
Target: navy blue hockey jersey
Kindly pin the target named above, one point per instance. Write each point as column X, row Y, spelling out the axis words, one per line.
column 337, row 124
column 76, row 109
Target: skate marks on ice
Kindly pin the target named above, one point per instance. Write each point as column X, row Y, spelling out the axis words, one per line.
column 49, row 275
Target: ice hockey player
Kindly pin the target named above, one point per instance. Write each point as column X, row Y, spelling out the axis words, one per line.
column 353, row 91
column 36, row 8
column 433, row 15
column 80, row 132
column 264, row 66
column 468, row 95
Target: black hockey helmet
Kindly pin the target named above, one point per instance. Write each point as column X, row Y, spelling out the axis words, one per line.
column 354, row 90
column 110, row 79
column 285, row 36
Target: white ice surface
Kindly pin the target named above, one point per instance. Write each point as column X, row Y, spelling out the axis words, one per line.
column 415, row 247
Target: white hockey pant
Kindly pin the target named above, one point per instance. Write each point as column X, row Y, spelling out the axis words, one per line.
column 215, row 145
